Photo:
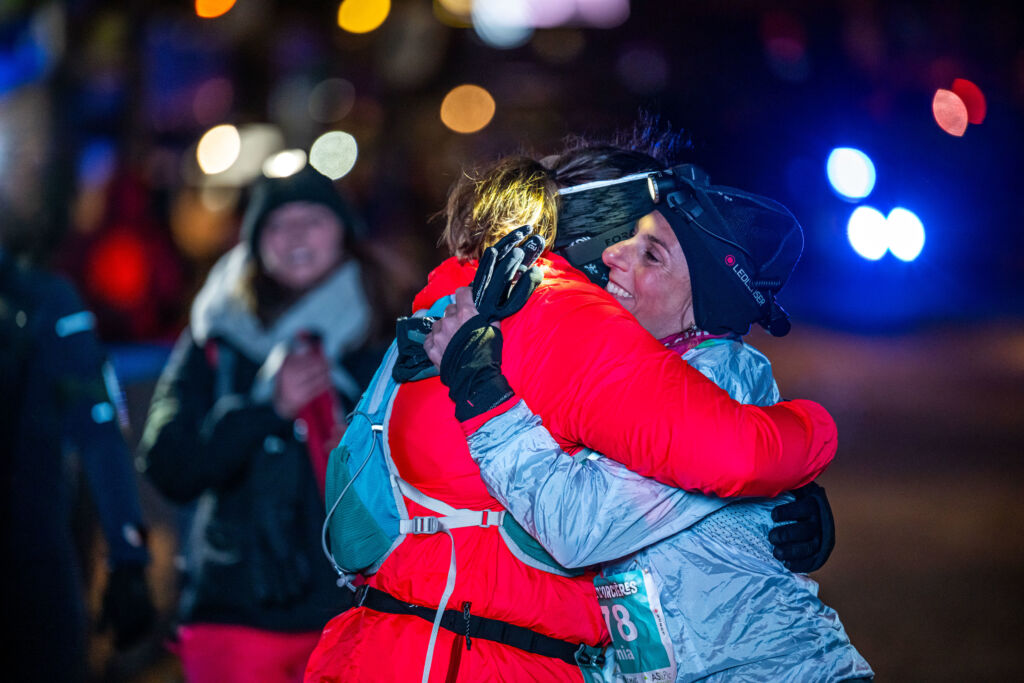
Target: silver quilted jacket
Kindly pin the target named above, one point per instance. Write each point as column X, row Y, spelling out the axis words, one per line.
column 733, row 612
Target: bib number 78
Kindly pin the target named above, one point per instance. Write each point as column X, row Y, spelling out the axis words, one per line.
column 631, row 607
column 623, row 624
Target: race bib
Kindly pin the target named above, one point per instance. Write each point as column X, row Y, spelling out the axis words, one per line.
column 640, row 641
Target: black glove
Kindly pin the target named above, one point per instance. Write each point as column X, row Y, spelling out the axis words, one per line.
column 807, row 538
column 471, row 364
column 127, row 607
column 412, row 363
column 280, row 570
column 507, row 277
column 471, row 369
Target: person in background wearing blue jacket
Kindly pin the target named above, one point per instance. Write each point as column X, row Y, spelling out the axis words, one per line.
column 688, row 586
column 60, row 395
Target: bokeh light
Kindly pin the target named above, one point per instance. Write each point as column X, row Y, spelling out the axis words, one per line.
column 850, row 172
column 867, row 232
column 784, row 36
column 257, row 142
column 603, row 13
column 503, row 24
column 96, row 163
column 331, row 100
column 209, row 9
column 218, row 149
column 201, row 221
column 973, row 99
column 906, row 234
column 454, row 13
column 457, row 7
column 334, row 154
column 362, row 16
column 551, row 13
column 467, row 109
column 950, row 112
column 118, row 269
column 285, row 163
column 785, row 45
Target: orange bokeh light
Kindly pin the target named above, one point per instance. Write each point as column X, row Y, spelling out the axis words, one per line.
column 467, row 108
column 950, row 112
column 208, row 9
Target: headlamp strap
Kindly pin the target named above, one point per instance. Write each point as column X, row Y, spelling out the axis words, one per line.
column 589, row 250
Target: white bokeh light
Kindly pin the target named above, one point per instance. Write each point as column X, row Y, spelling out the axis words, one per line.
column 285, row 163
column 851, row 173
column 867, row 232
column 334, row 154
column 218, row 149
column 503, row 24
column 906, row 234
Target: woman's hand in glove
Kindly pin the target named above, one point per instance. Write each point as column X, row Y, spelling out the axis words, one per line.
column 807, row 533
column 505, row 279
column 455, row 316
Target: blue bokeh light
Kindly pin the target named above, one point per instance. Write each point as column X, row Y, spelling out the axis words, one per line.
column 867, row 231
column 851, row 173
column 906, row 234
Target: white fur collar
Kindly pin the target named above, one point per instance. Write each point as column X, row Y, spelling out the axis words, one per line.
column 337, row 310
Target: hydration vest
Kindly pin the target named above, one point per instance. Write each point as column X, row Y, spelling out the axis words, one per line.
column 366, row 513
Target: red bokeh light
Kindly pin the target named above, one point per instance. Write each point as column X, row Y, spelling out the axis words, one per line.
column 973, row 99
column 117, row 270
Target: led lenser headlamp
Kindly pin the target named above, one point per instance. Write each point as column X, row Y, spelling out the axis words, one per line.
column 740, row 247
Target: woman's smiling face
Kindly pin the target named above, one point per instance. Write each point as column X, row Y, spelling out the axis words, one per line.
column 650, row 278
column 300, row 243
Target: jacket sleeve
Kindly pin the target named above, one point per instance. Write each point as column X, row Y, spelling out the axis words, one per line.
column 600, row 380
column 192, row 442
column 90, row 424
column 585, row 509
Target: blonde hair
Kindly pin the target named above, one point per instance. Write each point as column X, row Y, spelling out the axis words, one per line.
column 486, row 204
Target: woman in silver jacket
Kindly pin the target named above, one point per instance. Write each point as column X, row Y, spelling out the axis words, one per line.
column 688, row 584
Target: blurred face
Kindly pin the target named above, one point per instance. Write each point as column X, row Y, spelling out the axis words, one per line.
column 650, row 278
column 301, row 242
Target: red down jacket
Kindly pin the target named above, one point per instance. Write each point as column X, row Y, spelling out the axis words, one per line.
column 597, row 378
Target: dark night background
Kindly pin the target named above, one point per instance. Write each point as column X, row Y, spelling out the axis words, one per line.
column 921, row 363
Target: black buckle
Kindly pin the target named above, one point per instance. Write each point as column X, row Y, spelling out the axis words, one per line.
column 584, row 658
column 466, row 616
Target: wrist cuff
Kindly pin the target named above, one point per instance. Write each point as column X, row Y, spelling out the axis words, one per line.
column 470, row 426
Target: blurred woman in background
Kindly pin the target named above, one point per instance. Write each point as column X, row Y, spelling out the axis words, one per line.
column 241, row 422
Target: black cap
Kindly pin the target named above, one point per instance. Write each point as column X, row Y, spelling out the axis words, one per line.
column 740, row 247
column 307, row 185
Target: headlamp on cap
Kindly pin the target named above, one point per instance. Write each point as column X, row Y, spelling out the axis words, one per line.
column 740, row 247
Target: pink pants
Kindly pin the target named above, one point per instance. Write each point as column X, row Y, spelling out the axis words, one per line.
column 219, row 653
